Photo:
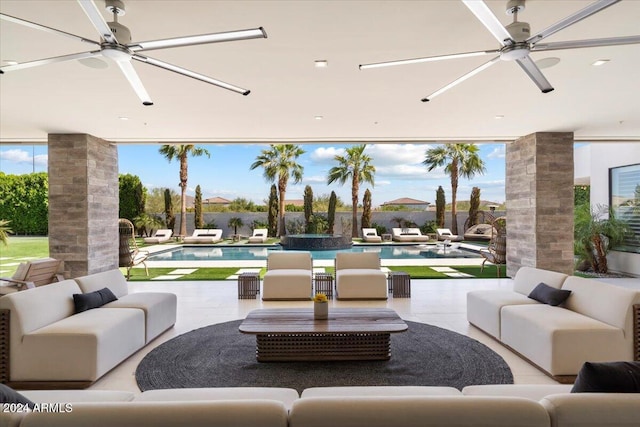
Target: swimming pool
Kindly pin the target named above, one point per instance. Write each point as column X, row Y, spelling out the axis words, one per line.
column 254, row 253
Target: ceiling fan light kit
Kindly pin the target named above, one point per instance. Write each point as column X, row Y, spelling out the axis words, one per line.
column 115, row 44
column 517, row 42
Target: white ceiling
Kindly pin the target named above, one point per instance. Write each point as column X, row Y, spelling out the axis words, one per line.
column 287, row 92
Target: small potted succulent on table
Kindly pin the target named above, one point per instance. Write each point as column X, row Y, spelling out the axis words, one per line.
column 320, row 306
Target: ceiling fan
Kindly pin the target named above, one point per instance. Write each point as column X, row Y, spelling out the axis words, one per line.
column 516, row 42
column 115, row 44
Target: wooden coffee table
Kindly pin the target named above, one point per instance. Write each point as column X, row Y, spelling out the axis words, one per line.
column 348, row 334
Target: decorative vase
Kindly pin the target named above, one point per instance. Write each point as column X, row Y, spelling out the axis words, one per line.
column 320, row 310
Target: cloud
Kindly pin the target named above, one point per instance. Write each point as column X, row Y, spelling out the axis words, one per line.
column 326, row 154
column 316, row 179
column 23, row 156
column 498, row 153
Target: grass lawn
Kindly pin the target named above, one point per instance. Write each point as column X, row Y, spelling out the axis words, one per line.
column 21, row 248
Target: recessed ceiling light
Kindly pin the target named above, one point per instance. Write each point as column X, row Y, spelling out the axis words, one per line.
column 123, row 118
column 318, row 117
column 10, row 62
column 600, row 62
column 321, row 63
column 499, row 117
column 547, row 62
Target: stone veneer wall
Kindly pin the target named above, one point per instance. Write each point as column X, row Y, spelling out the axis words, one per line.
column 539, row 191
column 83, row 203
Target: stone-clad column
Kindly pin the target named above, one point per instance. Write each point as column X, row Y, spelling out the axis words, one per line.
column 83, row 203
column 539, row 192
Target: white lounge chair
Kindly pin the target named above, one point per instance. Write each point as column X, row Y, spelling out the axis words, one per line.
column 446, row 234
column 259, row 235
column 370, row 235
column 408, row 235
column 211, row 235
column 160, row 236
column 358, row 276
column 288, row 277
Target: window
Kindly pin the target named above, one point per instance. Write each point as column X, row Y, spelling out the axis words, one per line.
column 624, row 199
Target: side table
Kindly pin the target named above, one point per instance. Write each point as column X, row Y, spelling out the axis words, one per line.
column 324, row 284
column 399, row 284
column 248, row 285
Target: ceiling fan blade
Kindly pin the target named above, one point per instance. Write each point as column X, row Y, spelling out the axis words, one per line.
column 44, row 28
column 575, row 44
column 461, row 79
column 255, row 33
column 135, row 82
column 535, row 74
column 488, row 19
column 572, row 19
column 427, row 59
column 97, row 20
column 189, row 73
column 52, row 60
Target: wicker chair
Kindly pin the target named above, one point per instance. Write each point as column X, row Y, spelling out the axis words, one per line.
column 496, row 252
column 129, row 253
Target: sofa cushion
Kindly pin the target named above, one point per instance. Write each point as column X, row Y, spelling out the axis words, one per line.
column 528, row 278
column 112, row 279
column 84, row 302
column 593, row 409
column 160, row 310
column 381, row 391
column 612, row 377
column 82, row 347
column 549, row 295
column 588, row 297
column 414, row 411
column 285, row 395
column 484, row 306
column 245, row 413
column 560, row 340
column 9, row 395
column 527, row 391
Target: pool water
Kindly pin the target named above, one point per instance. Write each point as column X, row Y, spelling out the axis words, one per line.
column 230, row 253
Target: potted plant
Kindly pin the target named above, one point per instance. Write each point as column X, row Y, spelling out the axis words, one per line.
column 596, row 231
column 320, row 306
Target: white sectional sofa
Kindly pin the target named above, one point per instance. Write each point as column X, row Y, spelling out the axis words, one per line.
column 47, row 344
column 596, row 323
column 483, row 406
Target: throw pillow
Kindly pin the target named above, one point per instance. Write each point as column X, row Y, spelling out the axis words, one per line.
column 608, row 377
column 9, row 395
column 549, row 295
column 84, row 302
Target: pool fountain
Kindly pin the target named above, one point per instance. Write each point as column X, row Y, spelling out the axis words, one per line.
column 315, row 242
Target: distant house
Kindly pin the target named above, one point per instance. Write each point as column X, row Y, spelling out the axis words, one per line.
column 216, row 201
column 409, row 203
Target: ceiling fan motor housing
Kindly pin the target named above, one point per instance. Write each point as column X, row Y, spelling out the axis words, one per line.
column 519, row 31
column 122, row 33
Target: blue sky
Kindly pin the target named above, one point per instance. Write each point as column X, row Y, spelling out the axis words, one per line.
column 399, row 172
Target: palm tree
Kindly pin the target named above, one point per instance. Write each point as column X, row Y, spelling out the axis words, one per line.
column 4, row 231
column 182, row 152
column 279, row 163
column 354, row 165
column 458, row 160
column 235, row 222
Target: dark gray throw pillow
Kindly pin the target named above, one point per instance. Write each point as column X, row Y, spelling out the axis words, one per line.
column 84, row 302
column 608, row 377
column 9, row 395
column 549, row 295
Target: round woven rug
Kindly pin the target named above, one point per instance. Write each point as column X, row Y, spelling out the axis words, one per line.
column 220, row 356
